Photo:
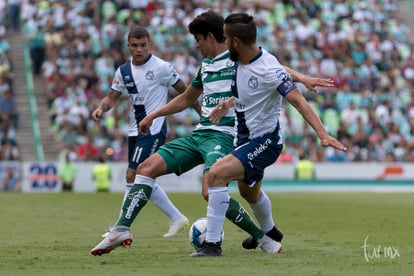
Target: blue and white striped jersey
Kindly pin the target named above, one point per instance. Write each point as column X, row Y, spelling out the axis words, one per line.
column 147, row 89
column 259, row 88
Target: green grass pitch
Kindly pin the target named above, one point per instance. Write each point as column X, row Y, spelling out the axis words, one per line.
column 325, row 234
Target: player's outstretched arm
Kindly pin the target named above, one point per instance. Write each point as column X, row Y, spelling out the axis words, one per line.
column 311, row 83
column 299, row 102
column 180, row 87
column 179, row 103
column 106, row 104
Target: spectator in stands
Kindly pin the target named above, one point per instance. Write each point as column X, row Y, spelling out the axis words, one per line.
column 5, row 83
column 9, row 149
column 8, row 109
column 304, row 168
column 35, row 36
column 4, row 65
column 4, row 43
column 102, row 175
column 87, row 151
column 366, row 50
column 67, row 173
column 11, row 181
column 14, row 14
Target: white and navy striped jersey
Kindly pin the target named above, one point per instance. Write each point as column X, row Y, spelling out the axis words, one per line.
column 214, row 77
column 258, row 89
column 147, row 88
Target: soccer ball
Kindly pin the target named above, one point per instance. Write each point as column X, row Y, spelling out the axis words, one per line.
column 198, row 233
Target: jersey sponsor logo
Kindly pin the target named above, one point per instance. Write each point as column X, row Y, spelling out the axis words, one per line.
column 136, row 100
column 213, row 100
column 258, row 150
column 288, row 84
column 240, row 106
column 283, row 75
column 253, row 83
column 128, row 81
column 217, row 150
column 174, row 73
column 226, row 73
column 149, row 75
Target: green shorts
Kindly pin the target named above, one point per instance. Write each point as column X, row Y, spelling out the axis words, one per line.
column 201, row 146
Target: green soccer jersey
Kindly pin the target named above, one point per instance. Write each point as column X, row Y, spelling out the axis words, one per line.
column 214, row 77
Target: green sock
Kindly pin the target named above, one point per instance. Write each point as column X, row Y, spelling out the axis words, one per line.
column 137, row 198
column 239, row 216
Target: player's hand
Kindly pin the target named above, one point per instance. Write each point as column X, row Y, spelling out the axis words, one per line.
column 330, row 141
column 312, row 83
column 144, row 125
column 97, row 114
column 204, row 190
column 220, row 110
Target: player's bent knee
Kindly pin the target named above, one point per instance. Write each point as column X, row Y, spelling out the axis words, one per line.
column 216, row 179
column 130, row 176
column 153, row 167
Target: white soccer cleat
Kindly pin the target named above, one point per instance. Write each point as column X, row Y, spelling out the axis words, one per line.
column 107, row 231
column 176, row 226
column 112, row 240
column 269, row 245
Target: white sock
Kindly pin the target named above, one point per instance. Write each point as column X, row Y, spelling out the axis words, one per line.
column 218, row 203
column 161, row 200
column 262, row 210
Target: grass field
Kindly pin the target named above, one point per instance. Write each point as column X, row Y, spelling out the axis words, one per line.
column 325, row 233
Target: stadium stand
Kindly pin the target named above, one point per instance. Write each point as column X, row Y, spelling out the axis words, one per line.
column 365, row 46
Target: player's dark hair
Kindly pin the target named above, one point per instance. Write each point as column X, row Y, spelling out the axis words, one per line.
column 138, row 32
column 241, row 25
column 208, row 22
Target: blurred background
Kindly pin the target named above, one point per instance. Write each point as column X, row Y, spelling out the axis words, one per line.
column 57, row 60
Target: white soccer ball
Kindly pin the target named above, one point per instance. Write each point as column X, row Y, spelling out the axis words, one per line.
column 198, row 233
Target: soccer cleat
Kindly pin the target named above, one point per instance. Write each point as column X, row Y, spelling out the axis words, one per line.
column 269, row 245
column 176, row 226
column 108, row 231
column 208, row 249
column 251, row 243
column 112, row 240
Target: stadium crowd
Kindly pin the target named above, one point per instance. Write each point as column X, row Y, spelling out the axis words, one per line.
column 362, row 45
column 9, row 147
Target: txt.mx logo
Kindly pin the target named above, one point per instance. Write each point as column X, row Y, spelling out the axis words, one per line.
column 379, row 252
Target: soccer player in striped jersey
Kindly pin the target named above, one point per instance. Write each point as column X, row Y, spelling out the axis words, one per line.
column 145, row 80
column 259, row 84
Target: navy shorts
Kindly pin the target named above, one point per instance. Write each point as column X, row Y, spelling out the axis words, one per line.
column 142, row 146
column 257, row 154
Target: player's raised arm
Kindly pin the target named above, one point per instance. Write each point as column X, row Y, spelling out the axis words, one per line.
column 180, row 87
column 311, row 83
column 299, row 102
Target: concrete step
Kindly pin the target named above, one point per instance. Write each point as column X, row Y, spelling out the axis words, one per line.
column 24, row 132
